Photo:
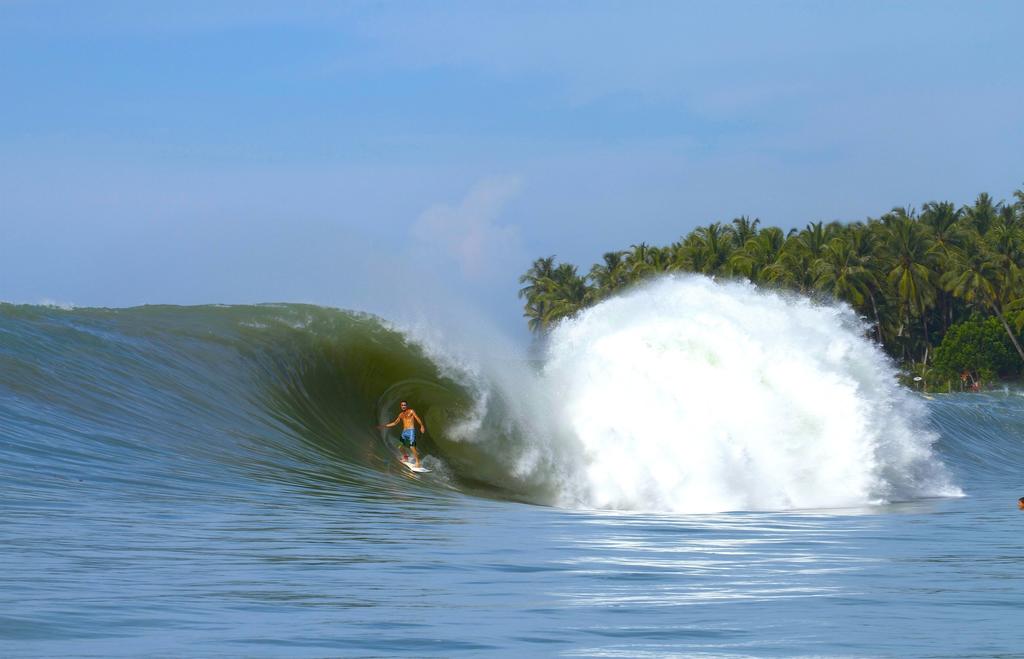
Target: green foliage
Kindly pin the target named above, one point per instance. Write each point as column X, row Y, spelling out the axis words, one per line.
column 913, row 276
column 979, row 346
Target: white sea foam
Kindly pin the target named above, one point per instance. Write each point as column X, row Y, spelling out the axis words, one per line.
column 689, row 395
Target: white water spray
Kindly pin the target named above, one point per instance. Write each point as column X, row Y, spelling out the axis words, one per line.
column 689, row 395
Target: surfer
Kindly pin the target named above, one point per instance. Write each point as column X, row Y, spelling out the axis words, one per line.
column 409, row 418
column 1020, row 503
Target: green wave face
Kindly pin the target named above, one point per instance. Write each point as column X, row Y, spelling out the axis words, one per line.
column 289, row 393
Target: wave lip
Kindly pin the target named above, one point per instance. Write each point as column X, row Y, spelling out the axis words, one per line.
column 690, row 395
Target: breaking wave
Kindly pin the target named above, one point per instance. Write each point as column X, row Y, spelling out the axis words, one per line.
column 685, row 395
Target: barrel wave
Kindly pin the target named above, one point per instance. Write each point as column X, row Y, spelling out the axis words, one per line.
column 684, row 396
column 185, row 397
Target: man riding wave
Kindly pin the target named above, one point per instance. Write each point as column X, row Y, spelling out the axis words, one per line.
column 409, row 418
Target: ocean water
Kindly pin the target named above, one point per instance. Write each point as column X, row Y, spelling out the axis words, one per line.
column 695, row 469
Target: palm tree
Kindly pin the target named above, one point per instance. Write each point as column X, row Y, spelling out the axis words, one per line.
column 864, row 243
column 837, row 272
column 609, row 276
column 842, row 271
column 943, row 222
column 566, row 294
column 792, row 267
column 1006, row 244
column 945, row 232
column 705, row 250
column 1013, row 214
column 982, row 214
column 1005, row 241
column 909, row 262
column 815, row 236
column 536, row 280
column 643, row 261
column 757, row 253
column 717, row 242
column 977, row 275
column 691, row 255
column 541, row 270
column 743, row 230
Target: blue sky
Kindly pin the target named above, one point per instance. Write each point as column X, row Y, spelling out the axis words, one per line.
column 376, row 154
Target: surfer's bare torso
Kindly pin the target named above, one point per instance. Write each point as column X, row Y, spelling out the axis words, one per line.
column 408, row 417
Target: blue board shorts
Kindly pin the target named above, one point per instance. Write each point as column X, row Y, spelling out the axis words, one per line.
column 409, row 437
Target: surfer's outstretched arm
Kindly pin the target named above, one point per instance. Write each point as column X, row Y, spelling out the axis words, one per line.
column 393, row 423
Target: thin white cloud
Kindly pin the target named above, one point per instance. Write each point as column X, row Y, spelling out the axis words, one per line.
column 470, row 232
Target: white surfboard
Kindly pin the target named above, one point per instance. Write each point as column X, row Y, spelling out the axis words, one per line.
column 411, row 466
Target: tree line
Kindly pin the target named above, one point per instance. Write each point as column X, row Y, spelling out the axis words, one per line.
column 913, row 275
